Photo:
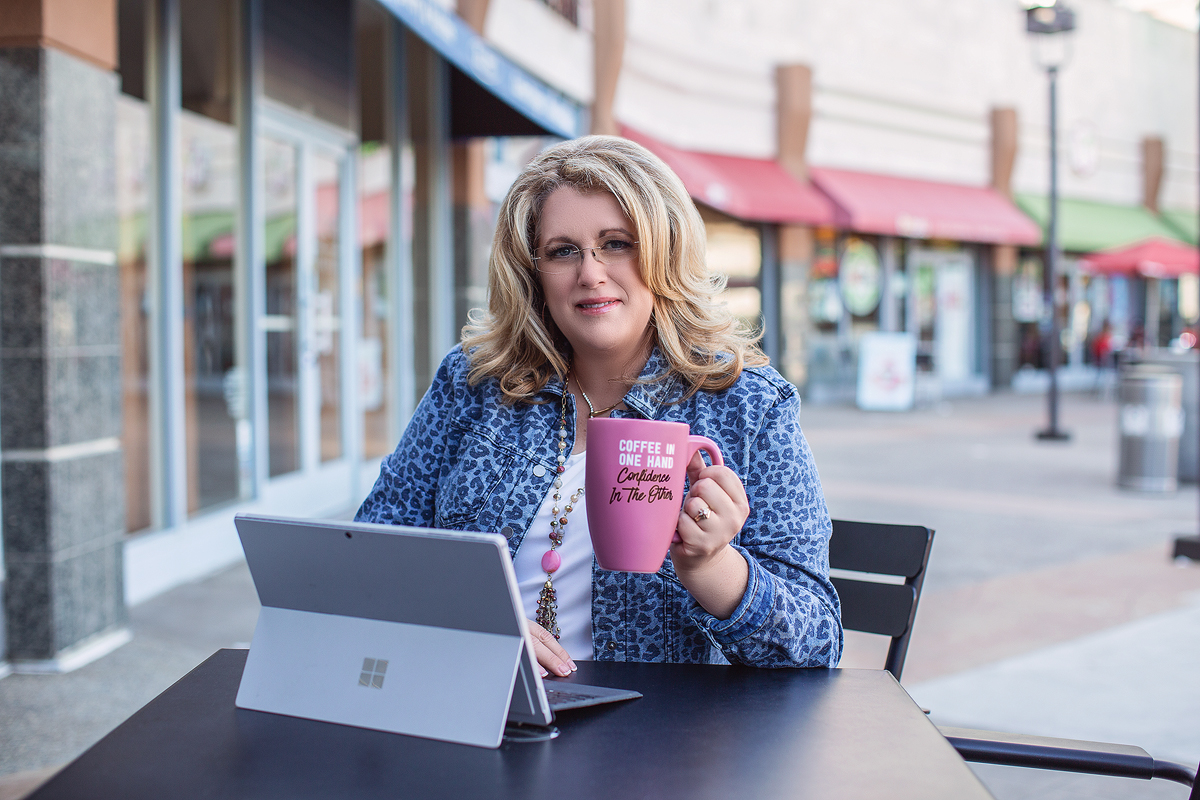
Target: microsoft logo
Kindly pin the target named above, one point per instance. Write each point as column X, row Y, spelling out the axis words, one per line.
column 372, row 672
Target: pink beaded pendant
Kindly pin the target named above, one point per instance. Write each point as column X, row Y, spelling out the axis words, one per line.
column 551, row 561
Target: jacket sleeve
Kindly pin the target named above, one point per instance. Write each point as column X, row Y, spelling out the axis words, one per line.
column 790, row 615
column 406, row 490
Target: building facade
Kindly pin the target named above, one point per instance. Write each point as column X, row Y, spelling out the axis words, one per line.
column 233, row 252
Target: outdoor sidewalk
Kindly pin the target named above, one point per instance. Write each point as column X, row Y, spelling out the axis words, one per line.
column 1050, row 607
column 1051, row 604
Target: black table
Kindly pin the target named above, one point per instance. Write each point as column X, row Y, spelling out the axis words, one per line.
column 699, row 732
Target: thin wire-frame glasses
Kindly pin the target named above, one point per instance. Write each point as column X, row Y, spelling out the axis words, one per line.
column 563, row 257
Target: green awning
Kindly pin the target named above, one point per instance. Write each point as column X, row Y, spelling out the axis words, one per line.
column 1085, row 226
column 280, row 232
column 1185, row 223
column 201, row 232
column 201, row 229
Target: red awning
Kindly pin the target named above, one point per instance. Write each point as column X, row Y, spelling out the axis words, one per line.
column 924, row 209
column 1153, row 258
column 754, row 189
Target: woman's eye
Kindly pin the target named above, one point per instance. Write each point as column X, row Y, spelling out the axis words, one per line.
column 616, row 246
column 561, row 252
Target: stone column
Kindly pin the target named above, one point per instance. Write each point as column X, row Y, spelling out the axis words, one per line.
column 61, row 474
column 1005, row 345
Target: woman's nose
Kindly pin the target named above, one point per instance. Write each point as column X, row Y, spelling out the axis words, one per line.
column 591, row 269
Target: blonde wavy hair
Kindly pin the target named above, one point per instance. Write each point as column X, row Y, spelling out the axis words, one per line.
column 517, row 342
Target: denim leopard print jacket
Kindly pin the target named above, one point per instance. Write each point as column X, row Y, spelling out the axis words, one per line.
column 469, row 462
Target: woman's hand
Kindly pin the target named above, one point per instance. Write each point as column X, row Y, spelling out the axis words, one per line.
column 551, row 656
column 713, row 512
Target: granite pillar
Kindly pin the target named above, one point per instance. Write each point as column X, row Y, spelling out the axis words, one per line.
column 61, row 469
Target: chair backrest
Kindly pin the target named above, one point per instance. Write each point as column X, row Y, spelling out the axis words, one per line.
column 873, row 607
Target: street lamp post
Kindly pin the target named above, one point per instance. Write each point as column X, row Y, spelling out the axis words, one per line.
column 1049, row 24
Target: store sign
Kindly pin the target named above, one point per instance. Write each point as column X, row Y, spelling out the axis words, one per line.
column 860, row 277
column 887, row 365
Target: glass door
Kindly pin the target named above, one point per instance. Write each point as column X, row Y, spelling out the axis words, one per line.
column 280, row 324
column 322, row 281
column 306, row 235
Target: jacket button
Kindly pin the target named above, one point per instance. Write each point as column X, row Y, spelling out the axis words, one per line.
column 612, row 645
column 539, row 470
column 506, row 531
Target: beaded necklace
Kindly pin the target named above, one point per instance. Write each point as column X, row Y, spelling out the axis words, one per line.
column 547, row 605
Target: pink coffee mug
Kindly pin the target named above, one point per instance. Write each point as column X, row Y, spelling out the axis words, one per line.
column 634, row 488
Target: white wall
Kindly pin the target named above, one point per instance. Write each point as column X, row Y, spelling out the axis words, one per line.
column 544, row 43
column 901, row 86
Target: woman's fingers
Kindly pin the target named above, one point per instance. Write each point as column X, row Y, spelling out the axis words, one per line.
column 713, row 512
column 730, row 484
column 719, row 490
column 551, row 656
column 695, row 466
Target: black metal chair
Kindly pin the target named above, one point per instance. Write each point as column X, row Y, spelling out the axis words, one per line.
column 898, row 551
column 889, row 609
column 1066, row 755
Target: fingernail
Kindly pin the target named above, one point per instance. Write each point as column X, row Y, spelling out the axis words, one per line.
column 571, row 664
column 563, row 670
column 542, row 670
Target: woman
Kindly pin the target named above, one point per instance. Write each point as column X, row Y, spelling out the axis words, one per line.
column 600, row 299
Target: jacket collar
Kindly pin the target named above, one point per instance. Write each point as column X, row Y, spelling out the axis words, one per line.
column 649, row 394
column 654, row 387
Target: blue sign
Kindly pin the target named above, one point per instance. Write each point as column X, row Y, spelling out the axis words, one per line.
column 467, row 50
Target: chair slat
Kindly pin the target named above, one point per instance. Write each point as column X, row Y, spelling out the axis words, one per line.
column 880, row 549
column 882, row 608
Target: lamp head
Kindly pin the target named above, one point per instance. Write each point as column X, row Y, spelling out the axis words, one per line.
column 1049, row 24
column 1048, row 18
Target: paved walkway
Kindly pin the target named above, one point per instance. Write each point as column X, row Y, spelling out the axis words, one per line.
column 1051, row 604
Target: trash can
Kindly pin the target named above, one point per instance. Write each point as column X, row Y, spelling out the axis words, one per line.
column 1150, row 422
column 1187, row 364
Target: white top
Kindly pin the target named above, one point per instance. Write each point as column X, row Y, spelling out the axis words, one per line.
column 573, row 581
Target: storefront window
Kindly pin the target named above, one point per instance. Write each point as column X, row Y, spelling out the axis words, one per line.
column 133, row 177
column 942, row 299
column 280, row 322
column 924, row 285
column 1028, row 302
column 374, row 213
column 860, row 283
column 824, row 298
column 133, row 195
column 208, row 174
column 325, row 317
column 735, row 251
column 1189, row 299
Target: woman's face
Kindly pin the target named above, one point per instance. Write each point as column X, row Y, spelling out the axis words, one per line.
column 602, row 309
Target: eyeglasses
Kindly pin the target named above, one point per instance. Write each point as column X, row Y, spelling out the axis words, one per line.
column 556, row 258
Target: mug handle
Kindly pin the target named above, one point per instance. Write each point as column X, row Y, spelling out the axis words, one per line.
column 709, row 446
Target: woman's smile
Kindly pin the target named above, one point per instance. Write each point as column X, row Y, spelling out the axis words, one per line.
column 599, row 306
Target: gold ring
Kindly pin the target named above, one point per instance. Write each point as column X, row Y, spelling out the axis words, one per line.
column 701, row 515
